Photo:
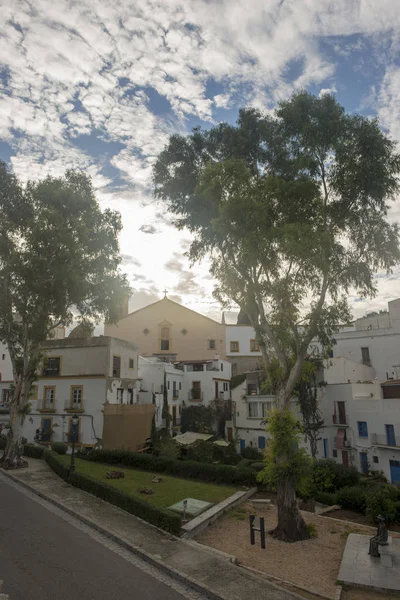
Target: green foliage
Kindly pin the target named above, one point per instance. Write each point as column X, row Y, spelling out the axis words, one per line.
column 257, row 466
column 307, row 395
column 252, row 453
column 312, row 530
column 202, row 451
column 283, row 457
column 166, row 447
column 59, row 447
column 237, row 380
column 200, row 419
column 352, row 498
column 382, row 501
column 328, row 475
column 187, row 469
column 59, row 256
column 34, row 451
column 328, row 498
column 245, row 462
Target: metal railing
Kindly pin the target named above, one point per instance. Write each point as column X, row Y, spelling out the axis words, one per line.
column 196, row 396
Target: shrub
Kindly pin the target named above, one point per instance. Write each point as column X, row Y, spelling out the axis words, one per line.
column 257, row 466
column 201, row 451
column 312, row 530
column 33, row 451
column 3, row 442
column 352, row 498
column 54, row 463
column 328, row 498
column 251, row 453
column 328, row 475
column 181, row 468
column 245, row 462
column 59, row 447
column 382, row 501
column 167, row 447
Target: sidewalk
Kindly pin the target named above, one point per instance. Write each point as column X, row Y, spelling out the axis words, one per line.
column 204, row 569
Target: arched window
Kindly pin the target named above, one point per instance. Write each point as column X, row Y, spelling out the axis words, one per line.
column 165, row 338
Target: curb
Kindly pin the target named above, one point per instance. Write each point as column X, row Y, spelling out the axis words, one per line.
column 182, row 578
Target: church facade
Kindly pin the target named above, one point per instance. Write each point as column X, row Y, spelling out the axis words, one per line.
column 171, row 331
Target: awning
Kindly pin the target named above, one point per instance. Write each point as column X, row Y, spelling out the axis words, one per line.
column 190, row 437
column 340, row 438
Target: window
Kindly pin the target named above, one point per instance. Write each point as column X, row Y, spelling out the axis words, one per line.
column 167, row 385
column 266, row 408
column 5, row 396
column 73, row 432
column 174, row 390
column 180, row 385
column 76, row 396
column 365, row 356
column 253, row 410
column 120, row 395
column 131, row 363
column 51, row 366
column 375, row 459
column 3, row 357
column 334, row 453
column 211, row 344
column 130, row 396
column 222, row 366
column 116, row 366
column 234, row 346
column 49, row 394
column 226, row 387
column 362, row 429
column 46, row 430
column 254, row 347
column 165, row 338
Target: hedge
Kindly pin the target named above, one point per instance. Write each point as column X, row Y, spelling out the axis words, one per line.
column 152, row 514
column 140, row 508
column 34, row 451
column 352, row 498
column 328, row 498
column 182, row 468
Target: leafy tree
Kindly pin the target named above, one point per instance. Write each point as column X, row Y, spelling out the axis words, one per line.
column 200, row 419
column 243, row 318
column 308, row 401
column 291, row 208
column 59, row 256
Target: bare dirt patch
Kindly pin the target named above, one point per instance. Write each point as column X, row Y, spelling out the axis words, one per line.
column 354, row 517
column 359, row 594
column 313, row 564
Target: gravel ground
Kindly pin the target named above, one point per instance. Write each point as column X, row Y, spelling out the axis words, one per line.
column 313, row 564
column 366, row 595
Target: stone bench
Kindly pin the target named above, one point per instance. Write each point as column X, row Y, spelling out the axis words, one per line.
column 386, row 553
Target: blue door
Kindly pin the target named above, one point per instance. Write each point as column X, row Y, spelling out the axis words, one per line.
column 391, row 438
column 261, row 442
column 364, row 462
column 325, row 448
column 395, row 471
column 242, row 444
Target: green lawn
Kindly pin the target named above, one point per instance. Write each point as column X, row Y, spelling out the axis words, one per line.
column 166, row 493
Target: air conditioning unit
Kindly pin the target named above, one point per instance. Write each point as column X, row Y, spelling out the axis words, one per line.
column 346, row 444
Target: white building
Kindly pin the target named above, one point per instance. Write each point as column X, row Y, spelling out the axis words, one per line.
column 374, row 341
column 362, row 418
column 79, row 376
column 205, row 380
column 242, row 351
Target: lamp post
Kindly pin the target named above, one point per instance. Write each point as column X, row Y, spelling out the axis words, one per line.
column 73, row 434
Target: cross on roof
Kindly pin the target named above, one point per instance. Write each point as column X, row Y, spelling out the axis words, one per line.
column 165, row 293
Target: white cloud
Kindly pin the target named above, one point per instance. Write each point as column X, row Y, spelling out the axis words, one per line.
column 77, row 69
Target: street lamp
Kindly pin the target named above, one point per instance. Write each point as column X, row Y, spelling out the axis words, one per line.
column 73, row 434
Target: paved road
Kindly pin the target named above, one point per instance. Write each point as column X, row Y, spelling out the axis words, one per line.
column 45, row 557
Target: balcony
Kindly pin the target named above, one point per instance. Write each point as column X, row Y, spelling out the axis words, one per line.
column 45, row 406
column 196, row 396
column 73, row 408
column 382, row 440
column 175, row 395
column 340, row 419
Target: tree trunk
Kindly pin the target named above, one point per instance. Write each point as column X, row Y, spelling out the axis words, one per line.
column 12, row 457
column 291, row 525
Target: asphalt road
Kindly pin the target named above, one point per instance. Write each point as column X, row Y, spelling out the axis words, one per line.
column 44, row 557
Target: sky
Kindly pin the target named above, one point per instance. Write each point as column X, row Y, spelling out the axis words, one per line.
column 99, row 86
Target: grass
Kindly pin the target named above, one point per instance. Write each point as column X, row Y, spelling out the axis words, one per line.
column 166, row 493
